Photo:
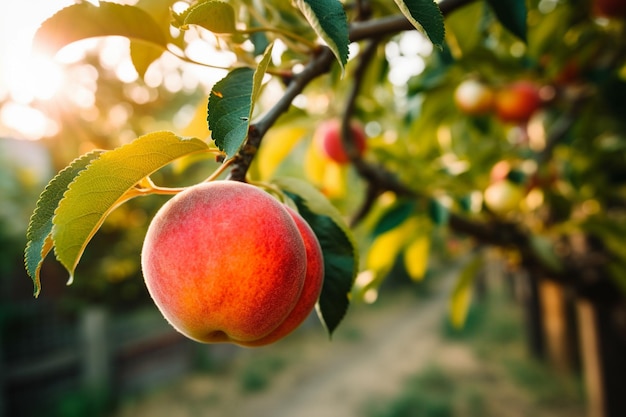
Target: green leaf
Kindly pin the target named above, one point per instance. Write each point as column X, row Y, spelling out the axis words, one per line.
column 329, row 21
column 105, row 184
column 394, row 217
column 216, row 16
column 462, row 292
column 84, row 20
column 512, row 15
column 338, row 247
column 38, row 234
column 438, row 212
column 231, row 103
column 426, row 16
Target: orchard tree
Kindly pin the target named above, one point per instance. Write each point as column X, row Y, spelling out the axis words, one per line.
column 501, row 121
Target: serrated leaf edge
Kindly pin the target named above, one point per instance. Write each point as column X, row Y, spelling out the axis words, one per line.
column 48, row 243
column 257, row 78
column 315, row 23
column 407, row 13
column 127, row 195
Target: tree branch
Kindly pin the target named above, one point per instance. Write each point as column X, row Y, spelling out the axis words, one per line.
column 320, row 64
column 495, row 231
column 390, row 25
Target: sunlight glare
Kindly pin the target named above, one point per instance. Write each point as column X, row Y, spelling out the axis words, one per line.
column 26, row 77
column 31, row 123
column 35, row 77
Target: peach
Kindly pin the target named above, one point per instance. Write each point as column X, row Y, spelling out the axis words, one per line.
column 328, row 139
column 312, row 285
column 473, row 97
column 224, row 262
column 503, row 196
column 518, row 101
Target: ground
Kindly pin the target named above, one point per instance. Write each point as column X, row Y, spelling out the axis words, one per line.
column 385, row 357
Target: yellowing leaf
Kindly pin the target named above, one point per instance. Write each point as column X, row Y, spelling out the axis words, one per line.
column 334, row 182
column 84, row 20
column 314, row 165
column 216, row 16
column 277, row 144
column 386, row 247
column 462, row 294
column 143, row 54
column 416, row 257
column 197, row 126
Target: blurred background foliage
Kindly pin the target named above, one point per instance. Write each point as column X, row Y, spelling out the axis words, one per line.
column 574, row 182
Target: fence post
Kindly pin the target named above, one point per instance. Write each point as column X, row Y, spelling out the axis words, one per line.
column 591, row 359
column 533, row 315
column 556, row 326
column 2, row 378
column 96, row 367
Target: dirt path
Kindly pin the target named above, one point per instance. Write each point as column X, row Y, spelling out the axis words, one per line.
column 397, row 340
column 372, row 354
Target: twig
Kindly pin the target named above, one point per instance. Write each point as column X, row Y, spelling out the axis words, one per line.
column 320, row 64
column 317, row 66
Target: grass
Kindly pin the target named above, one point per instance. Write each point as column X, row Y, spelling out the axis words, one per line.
column 427, row 394
column 432, row 393
column 256, row 375
column 494, row 333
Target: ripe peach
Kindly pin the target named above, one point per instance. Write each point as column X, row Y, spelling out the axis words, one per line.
column 518, row 101
column 473, row 97
column 328, row 139
column 312, row 285
column 224, row 262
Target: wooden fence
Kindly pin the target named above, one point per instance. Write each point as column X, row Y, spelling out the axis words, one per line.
column 48, row 359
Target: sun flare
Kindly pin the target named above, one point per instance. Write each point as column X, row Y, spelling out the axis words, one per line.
column 36, row 77
column 26, row 77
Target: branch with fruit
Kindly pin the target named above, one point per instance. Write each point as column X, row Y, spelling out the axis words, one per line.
column 246, row 263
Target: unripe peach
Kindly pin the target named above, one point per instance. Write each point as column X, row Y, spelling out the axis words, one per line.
column 328, row 139
column 312, row 285
column 473, row 97
column 503, row 196
column 518, row 101
column 224, row 262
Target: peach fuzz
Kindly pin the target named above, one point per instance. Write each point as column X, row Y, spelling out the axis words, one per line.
column 224, row 262
column 328, row 139
column 312, row 285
